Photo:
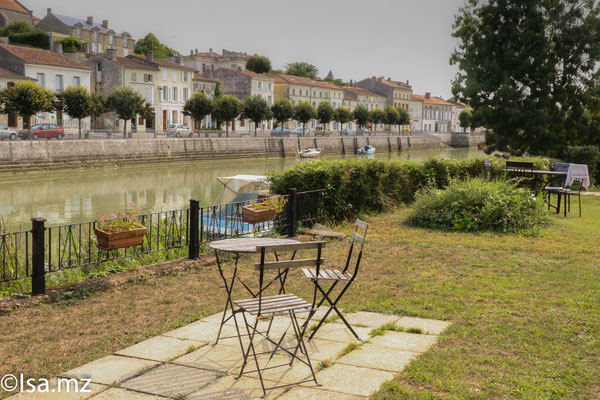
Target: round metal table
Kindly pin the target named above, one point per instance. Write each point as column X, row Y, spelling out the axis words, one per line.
column 242, row 246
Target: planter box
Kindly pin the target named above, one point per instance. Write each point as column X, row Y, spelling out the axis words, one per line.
column 118, row 240
column 251, row 215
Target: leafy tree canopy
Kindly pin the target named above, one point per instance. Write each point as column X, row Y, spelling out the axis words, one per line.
column 304, row 112
column 524, row 67
column 256, row 109
column 258, row 64
column 227, row 108
column 325, row 112
column 70, row 44
column 392, row 115
column 151, row 43
column 301, row 68
column 377, row 116
column 403, row 116
column 198, row 106
column 77, row 102
column 26, row 98
column 126, row 103
column 361, row 115
column 342, row 115
column 283, row 110
column 15, row 27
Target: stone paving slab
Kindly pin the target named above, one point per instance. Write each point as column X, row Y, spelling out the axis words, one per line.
column 340, row 333
column 172, row 380
column 369, row 319
column 377, row 357
column 160, row 348
column 53, row 393
column 229, row 388
column 321, row 349
column 303, row 393
column 219, row 358
column 428, row 326
column 413, row 342
column 124, row 394
column 352, row 380
column 111, row 369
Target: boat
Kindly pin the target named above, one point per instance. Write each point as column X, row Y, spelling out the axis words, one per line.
column 224, row 217
column 368, row 149
column 309, row 153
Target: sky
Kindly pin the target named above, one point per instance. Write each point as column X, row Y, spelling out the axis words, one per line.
column 402, row 39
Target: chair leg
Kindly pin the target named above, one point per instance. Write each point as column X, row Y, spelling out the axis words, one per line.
column 558, row 203
column 565, row 205
column 579, row 201
column 303, row 347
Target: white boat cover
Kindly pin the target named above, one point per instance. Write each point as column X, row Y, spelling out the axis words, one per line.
column 234, row 185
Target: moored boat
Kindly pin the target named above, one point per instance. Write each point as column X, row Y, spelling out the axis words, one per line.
column 368, row 149
column 309, row 153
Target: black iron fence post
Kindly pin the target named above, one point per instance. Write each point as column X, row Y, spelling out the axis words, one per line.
column 292, row 211
column 194, row 245
column 38, row 271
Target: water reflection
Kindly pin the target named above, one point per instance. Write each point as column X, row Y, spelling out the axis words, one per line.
column 80, row 195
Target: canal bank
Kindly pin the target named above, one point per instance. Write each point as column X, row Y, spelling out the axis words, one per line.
column 53, row 154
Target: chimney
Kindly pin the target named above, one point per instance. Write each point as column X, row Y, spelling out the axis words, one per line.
column 389, row 79
column 407, row 82
column 351, row 82
column 210, row 50
column 428, row 95
column 105, row 23
column 150, row 55
column 373, row 77
column 191, row 52
column 58, row 48
column 179, row 60
column 90, row 20
column 111, row 53
column 239, row 68
column 49, row 10
column 196, row 51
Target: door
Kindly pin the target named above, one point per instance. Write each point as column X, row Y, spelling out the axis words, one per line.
column 12, row 120
column 165, row 117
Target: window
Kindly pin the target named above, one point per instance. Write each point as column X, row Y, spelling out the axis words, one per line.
column 270, row 86
column 41, row 78
column 150, row 95
column 174, row 120
column 95, row 36
column 185, row 76
column 294, row 92
column 125, row 41
column 165, row 93
column 111, row 39
column 259, row 85
column 174, row 94
column 148, row 78
column 174, row 76
column 78, row 33
column 133, row 77
column 76, row 81
column 165, row 75
column 184, row 97
column 59, row 83
column 125, row 52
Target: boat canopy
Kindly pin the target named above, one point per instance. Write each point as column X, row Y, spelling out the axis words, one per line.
column 238, row 184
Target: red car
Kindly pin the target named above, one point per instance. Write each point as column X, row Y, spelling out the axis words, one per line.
column 43, row 131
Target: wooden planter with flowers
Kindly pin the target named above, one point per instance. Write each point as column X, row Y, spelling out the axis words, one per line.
column 119, row 232
column 263, row 210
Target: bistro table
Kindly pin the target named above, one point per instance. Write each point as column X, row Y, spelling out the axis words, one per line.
column 538, row 175
column 237, row 247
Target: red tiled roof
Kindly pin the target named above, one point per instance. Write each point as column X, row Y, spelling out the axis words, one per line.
column 130, row 63
column 249, row 73
column 200, row 77
column 13, row 5
column 355, row 91
column 300, row 80
column 396, row 84
column 162, row 62
column 432, row 100
column 30, row 55
column 6, row 74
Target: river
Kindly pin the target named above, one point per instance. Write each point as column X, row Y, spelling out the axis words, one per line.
column 77, row 195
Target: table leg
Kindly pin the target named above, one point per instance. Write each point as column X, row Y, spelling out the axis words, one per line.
column 229, row 302
column 558, row 203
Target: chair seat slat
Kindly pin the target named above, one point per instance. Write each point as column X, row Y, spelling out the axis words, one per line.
column 309, row 262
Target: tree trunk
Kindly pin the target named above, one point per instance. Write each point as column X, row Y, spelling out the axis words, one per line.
column 124, row 129
column 79, row 128
column 255, row 129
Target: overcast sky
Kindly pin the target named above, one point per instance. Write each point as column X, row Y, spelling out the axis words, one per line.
column 401, row 39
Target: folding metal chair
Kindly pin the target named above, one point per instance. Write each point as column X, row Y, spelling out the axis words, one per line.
column 336, row 277
column 268, row 307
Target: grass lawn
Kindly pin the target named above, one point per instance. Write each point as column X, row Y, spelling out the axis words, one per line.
column 526, row 311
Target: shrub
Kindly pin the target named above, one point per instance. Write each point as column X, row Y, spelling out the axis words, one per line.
column 588, row 155
column 70, row 44
column 355, row 186
column 35, row 38
column 477, row 205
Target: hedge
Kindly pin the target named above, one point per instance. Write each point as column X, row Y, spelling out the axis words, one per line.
column 356, row 186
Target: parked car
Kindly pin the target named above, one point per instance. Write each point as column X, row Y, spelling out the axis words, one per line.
column 322, row 132
column 6, row 133
column 43, row 131
column 279, row 132
column 348, row 132
column 179, row 131
column 298, row 131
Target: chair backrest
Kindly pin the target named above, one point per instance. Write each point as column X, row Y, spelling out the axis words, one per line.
column 357, row 237
column 520, row 165
column 283, row 265
column 487, row 168
column 577, row 185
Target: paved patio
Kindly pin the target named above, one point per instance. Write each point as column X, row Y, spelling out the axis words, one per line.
column 183, row 363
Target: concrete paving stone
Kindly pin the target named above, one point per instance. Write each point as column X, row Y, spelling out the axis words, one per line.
column 282, row 375
column 319, row 349
column 229, row 388
column 304, row 393
column 220, row 358
column 318, row 315
column 370, row 319
column 160, row 348
column 340, row 333
column 378, row 357
column 124, row 394
column 429, row 326
column 110, row 369
column 171, row 380
column 352, row 380
column 201, row 331
column 216, row 319
column 67, row 391
column 405, row 341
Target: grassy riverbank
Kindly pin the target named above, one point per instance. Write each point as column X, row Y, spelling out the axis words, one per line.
column 525, row 310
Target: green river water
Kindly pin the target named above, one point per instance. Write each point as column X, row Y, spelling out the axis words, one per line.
column 68, row 196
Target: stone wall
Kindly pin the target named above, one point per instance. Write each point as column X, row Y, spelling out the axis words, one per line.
column 44, row 154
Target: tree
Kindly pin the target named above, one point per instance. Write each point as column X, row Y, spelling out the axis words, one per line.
column 198, row 107
column 26, row 99
column 466, row 118
column 258, row 64
column 392, row 116
column 361, row 115
column 218, row 90
column 404, row 117
column 151, row 43
column 256, row 109
column 147, row 113
column 377, row 116
column 524, row 67
column 126, row 103
column 227, row 109
column 301, row 68
column 70, row 44
column 98, row 107
column 304, row 112
column 15, row 27
column 282, row 110
column 342, row 115
column 77, row 103
column 325, row 113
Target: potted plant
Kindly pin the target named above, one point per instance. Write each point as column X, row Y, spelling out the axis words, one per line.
column 120, row 231
column 263, row 210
